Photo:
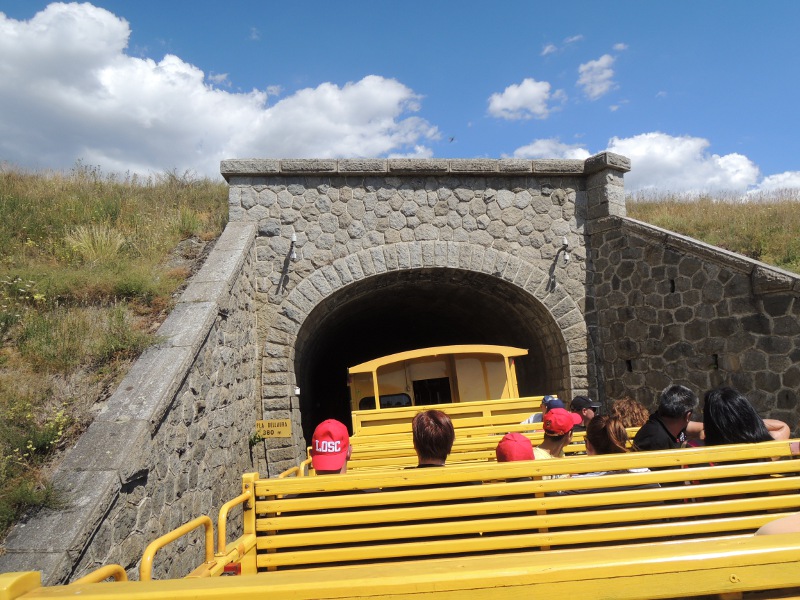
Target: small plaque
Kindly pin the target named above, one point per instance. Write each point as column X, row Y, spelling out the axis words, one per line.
column 280, row 428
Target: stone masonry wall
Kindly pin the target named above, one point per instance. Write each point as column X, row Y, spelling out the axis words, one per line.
column 172, row 441
column 671, row 309
column 353, row 219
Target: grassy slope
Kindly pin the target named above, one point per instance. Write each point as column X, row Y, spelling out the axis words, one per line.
column 87, row 270
column 766, row 231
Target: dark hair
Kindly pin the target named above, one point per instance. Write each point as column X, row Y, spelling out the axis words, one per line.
column 729, row 418
column 607, row 435
column 433, row 434
column 675, row 401
column 631, row 412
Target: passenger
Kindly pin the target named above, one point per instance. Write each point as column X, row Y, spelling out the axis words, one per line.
column 330, row 448
column 514, row 446
column 790, row 524
column 667, row 427
column 586, row 408
column 548, row 403
column 729, row 418
column 558, row 424
column 433, row 437
column 607, row 435
column 631, row 412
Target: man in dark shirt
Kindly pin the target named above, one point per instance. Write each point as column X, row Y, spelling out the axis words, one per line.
column 667, row 427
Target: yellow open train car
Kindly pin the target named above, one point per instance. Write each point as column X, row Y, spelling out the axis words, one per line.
column 438, row 375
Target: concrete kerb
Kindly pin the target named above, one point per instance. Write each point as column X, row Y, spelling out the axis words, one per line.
column 53, row 539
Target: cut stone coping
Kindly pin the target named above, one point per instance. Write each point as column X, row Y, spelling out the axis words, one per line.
column 253, row 167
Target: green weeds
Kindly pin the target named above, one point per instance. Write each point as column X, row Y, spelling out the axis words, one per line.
column 767, row 230
column 83, row 274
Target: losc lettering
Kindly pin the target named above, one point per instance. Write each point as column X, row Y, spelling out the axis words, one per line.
column 327, row 446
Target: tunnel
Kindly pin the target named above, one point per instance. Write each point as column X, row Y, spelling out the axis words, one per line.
column 418, row 308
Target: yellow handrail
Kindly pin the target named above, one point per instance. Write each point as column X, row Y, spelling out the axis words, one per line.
column 223, row 519
column 289, row 472
column 146, row 568
column 103, row 573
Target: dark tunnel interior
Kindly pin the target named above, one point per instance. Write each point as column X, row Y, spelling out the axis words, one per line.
column 415, row 309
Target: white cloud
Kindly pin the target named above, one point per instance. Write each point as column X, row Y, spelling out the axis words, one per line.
column 788, row 180
column 681, row 164
column 74, row 94
column 663, row 163
column 573, row 39
column 255, row 35
column 548, row 49
column 527, row 100
column 220, row 79
column 620, row 47
column 595, row 76
column 551, row 148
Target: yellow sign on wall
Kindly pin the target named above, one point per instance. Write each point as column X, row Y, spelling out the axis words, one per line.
column 281, row 428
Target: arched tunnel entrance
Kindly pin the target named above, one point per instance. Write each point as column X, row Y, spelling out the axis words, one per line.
column 418, row 308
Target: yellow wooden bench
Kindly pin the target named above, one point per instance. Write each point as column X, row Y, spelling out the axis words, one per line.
column 507, row 411
column 501, row 530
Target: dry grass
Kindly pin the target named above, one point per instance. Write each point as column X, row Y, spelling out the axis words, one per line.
column 768, row 230
column 83, row 274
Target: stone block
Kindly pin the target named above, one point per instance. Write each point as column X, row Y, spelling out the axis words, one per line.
column 88, row 496
column 473, row 165
column 514, row 165
column 418, row 165
column 188, row 324
column 767, row 280
column 350, row 166
column 149, row 387
column 308, row 165
column 239, row 167
column 110, row 447
column 557, row 166
column 607, row 160
column 55, row 567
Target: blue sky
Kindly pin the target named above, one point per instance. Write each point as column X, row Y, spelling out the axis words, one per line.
column 700, row 95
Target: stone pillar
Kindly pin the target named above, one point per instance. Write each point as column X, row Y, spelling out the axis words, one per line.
column 604, row 185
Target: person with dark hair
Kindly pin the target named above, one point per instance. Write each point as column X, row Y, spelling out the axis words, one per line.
column 631, row 412
column 433, row 437
column 667, row 426
column 729, row 418
column 607, row 435
column 586, row 408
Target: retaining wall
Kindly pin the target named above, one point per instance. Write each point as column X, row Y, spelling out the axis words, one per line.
column 671, row 309
column 171, row 442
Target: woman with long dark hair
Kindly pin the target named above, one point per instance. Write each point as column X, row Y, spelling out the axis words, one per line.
column 606, row 435
column 729, row 418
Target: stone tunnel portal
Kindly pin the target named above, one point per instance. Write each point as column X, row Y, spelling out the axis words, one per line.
column 418, row 308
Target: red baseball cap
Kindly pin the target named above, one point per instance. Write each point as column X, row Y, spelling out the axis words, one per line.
column 329, row 446
column 559, row 421
column 514, row 446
